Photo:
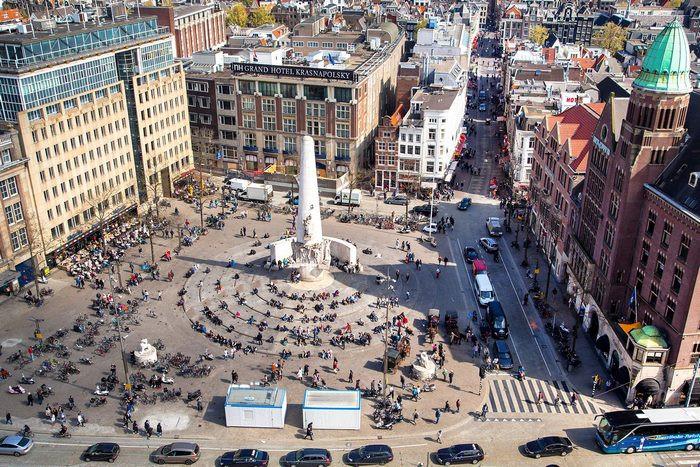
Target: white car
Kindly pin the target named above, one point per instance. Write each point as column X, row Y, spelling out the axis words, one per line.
column 489, row 244
column 430, row 228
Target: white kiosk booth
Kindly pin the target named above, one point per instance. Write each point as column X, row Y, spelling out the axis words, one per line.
column 255, row 407
column 332, row 410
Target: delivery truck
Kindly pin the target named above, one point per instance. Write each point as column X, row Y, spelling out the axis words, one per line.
column 345, row 197
column 237, row 184
column 258, row 192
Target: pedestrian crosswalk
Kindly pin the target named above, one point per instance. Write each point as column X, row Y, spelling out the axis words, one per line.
column 515, row 396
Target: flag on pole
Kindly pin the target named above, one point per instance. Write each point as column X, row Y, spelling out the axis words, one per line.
column 272, row 168
column 633, row 299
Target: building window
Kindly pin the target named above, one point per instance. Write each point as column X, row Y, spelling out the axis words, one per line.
column 677, row 279
column 289, row 107
column 320, row 148
column 342, row 130
column 19, row 239
column 289, row 91
column 639, row 283
column 315, row 110
column 290, row 145
column 289, row 125
column 248, row 121
column 653, row 293
column 670, row 309
column 269, row 123
column 316, row 127
column 270, row 142
column 614, row 206
column 13, row 213
column 315, row 93
column 342, row 112
column 8, row 188
column 619, row 177
column 660, row 264
column 683, row 249
column 327, row 45
column 651, row 223
column 609, row 235
column 268, row 105
column 342, row 150
column 666, row 234
column 249, row 140
column 5, row 157
column 224, row 89
column 343, row 94
column 644, row 258
column 248, row 103
column 246, row 87
column 267, row 89
column 655, row 357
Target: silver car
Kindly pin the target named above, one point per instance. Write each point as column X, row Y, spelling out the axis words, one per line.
column 16, row 445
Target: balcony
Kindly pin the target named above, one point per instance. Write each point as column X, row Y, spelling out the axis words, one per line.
column 292, row 152
column 250, row 148
column 271, row 150
column 342, row 158
column 320, row 155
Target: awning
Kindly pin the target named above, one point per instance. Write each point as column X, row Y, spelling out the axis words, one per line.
column 449, row 175
column 8, row 276
column 603, row 343
column 629, row 327
column 648, row 386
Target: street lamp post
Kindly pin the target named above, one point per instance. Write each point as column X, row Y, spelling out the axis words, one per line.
column 386, row 341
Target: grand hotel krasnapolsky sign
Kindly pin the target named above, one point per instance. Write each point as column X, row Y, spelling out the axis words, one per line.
column 293, row 71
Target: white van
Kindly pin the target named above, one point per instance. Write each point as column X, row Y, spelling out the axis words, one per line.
column 484, row 290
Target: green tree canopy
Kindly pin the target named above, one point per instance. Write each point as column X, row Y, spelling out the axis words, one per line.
column 539, row 34
column 237, row 15
column 260, row 16
column 611, row 37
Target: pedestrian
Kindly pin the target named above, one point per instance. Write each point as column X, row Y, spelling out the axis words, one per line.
column 408, row 276
column 439, row 436
column 30, row 399
column 540, row 398
column 81, row 419
column 199, row 404
column 403, row 382
column 408, row 295
column 159, row 430
column 335, row 365
column 445, row 374
column 415, row 416
column 8, row 418
column 447, row 408
column 446, row 260
column 234, row 377
column 484, row 411
column 438, row 414
column 30, row 351
column 135, row 427
column 437, row 273
column 398, row 274
column 309, row 432
column 160, row 295
column 148, row 429
column 451, row 375
column 526, row 297
column 574, row 397
column 458, row 404
column 397, row 243
column 350, row 377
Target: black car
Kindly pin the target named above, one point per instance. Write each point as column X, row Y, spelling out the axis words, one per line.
column 372, row 454
column 307, row 456
column 425, row 210
column 245, row 458
column 548, row 446
column 102, row 452
column 464, row 204
column 470, row 254
column 460, row 454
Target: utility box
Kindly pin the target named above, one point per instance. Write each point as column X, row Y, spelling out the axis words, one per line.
column 332, row 410
column 255, row 407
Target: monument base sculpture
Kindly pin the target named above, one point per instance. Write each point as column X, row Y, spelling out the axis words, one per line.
column 148, row 354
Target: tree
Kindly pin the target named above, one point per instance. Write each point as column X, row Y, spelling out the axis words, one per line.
column 261, row 16
column 675, row 3
column 420, row 25
column 362, row 178
column 611, row 37
column 539, row 34
column 237, row 15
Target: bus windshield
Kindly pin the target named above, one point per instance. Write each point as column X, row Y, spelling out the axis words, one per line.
column 605, row 431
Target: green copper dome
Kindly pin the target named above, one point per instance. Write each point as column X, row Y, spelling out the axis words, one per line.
column 666, row 67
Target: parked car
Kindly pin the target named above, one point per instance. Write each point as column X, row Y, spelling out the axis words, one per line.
column 502, row 352
column 489, row 244
column 548, row 446
column 245, row 458
column 401, row 200
column 430, row 228
column 17, row 445
column 470, row 254
column 425, row 209
column 482, row 107
column 464, row 204
column 468, row 453
column 102, row 452
column 373, row 454
column 307, row 456
column 177, row 453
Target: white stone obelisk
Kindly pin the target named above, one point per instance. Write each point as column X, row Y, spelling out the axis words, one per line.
column 310, row 249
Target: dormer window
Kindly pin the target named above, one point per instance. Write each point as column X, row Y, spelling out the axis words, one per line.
column 693, row 179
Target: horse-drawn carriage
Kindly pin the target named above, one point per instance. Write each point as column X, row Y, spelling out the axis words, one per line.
column 396, row 356
column 451, row 320
column 433, row 322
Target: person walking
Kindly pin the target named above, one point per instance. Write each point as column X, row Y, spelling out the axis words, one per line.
column 574, row 397
column 335, row 365
column 309, row 432
column 484, row 411
column 540, row 398
column 81, row 419
column 437, row 273
column 402, row 379
column 135, row 427
column 438, row 414
column 408, row 276
column 8, row 418
column 160, row 295
column 30, row 399
column 458, row 404
column 526, row 298
column 234, row 377
column 447, row 408
column 415, row 416
column 199, row 404
column 350, row 377
column 451, row 375
column 439, row 437
column 159, row 430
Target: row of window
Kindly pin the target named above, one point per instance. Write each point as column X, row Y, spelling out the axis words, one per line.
column 289, row 146
column 324, row 45
column 290, row 91
column 666, row 233
column 8, row 188
column 85, row 197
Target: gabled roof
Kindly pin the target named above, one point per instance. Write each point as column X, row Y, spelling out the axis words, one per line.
column 572, row 130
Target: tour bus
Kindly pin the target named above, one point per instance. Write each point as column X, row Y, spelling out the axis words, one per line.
column 631, row 431
column 484, row 290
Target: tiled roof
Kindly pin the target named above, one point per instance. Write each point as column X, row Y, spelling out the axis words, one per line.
column 573, row 129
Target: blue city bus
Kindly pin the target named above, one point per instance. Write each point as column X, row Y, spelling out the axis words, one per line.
column 632, row 431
